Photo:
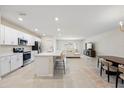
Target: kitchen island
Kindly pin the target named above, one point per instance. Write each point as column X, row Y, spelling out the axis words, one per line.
column 44, row 63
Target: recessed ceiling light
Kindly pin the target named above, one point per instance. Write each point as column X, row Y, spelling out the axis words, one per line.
column 56, row 18
column 20, row 19
column 44, row 34
column 35, row 29
column 58, row 29
column 121, row 23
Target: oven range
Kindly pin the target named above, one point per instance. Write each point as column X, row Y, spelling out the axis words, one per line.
column 26, row 55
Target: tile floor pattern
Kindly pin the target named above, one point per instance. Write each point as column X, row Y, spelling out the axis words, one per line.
column 81, row 73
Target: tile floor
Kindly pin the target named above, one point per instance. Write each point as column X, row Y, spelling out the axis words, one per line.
column 81, row 73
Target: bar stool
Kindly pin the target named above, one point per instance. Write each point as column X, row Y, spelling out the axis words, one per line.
column 61, row 59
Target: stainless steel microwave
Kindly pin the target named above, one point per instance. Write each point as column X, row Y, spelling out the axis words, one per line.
column 22, row 41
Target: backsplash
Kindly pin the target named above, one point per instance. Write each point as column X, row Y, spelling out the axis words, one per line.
column 9, row 49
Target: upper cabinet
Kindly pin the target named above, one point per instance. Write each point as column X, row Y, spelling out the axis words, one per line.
column 30, row 40
column 9, row 36
column 37, row 39
column 2, row 34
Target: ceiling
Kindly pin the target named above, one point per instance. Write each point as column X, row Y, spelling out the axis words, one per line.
column 74, row 20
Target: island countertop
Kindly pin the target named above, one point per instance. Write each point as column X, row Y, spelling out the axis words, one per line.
column 49, row 54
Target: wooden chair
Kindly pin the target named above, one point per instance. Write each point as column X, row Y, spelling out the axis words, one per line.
column 61, row 59
column 107, row 66
column 120, row 74
column 99, row 61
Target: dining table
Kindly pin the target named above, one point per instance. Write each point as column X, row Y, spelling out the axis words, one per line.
column 114, row 59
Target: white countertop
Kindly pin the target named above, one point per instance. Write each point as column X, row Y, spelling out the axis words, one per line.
column 8, row 54
column 49, row 54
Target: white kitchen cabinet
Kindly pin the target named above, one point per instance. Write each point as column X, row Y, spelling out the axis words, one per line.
column 20, row 35
column 32, row 40
column 29, row 38
column 44, row 66
column 11, row 36
column 20, row 59
column 7, row 35
column 4, row 65
column 33, row 53
column 16, row 61
column 14, row 37
column 2, row 34
column 10, row 63
column 37, row 39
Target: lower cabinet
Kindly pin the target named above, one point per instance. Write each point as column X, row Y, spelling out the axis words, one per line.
column 5, row 65
column 20, row 60
column 16, row 61
column 33, row 53
column 10, row 63
column 44, row 66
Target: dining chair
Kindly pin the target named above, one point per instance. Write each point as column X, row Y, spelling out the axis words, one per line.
column 108, row 67
column 61, row 59
column 99, row 61
column 120, row 74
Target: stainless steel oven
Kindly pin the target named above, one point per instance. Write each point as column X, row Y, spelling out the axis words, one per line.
column 26, row 56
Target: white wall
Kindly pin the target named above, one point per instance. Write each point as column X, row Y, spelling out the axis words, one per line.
column 48, row 44
column 9, row 49
column 77, row 44
column 109, row 43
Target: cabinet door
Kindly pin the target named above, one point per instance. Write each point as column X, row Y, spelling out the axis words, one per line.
column 33, row 53
column 32, row 40
column 4, row 65
column 11, row 36
column 19, row 60
column 28, row 38
column 14, row 40
column 2, row 34
column 8, row 36
column 14, row 63
column 20, row 35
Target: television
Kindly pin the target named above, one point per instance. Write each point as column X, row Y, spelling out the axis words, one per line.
column 89, row 45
